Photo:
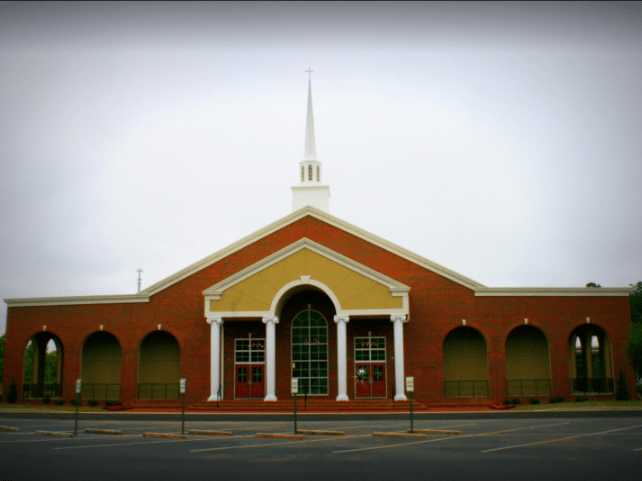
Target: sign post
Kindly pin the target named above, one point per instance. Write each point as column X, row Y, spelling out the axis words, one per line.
column 410, row 389
column 182, row 387
column 294, row 389
column 78, row 389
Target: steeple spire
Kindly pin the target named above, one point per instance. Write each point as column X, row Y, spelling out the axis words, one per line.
column 310, row 191
column 310, row 142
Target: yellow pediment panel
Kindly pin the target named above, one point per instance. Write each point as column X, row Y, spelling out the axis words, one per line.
column 355, row 287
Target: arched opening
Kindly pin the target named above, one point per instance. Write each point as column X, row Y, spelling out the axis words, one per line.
column 100, row 368
column 159, row 366
column 42, row 367
column 465, row 365
column 527, row 363
column 310, row 173
column 590, row 360
column 304, row 312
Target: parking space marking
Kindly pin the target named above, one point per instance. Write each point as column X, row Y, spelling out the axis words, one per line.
column 267, row 445
column 51, row 440
column 448, row 438
column 559, row 440
column 145, row 443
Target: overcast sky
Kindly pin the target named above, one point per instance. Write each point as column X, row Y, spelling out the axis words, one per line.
column 503, row 141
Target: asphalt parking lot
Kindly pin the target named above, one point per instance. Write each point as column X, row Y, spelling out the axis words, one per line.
column 498, row 448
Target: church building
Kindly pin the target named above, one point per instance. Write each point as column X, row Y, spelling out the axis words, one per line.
column 347, row 314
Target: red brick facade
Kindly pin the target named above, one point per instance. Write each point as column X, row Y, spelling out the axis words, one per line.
column 437, row 305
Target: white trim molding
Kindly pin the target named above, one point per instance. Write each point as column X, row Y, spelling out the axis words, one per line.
column 554, row 291
column 396, row 288
column 479, row 289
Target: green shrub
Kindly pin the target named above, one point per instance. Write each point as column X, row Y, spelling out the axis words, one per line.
column 46, row 400
column 579, row 399
column 621, row 392
column 59, row 402
column 74, row 402
column 556, row 399
column 516, row 401
column 92, row 403
column 534, row 400
column 112, row 403
column 12, row 395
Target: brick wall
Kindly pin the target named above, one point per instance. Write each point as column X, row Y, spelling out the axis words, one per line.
column 437, row 305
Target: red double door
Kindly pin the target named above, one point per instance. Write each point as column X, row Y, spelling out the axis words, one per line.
column 371, row 380
column 250, row 382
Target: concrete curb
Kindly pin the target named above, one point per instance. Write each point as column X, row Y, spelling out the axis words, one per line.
column 322, row 432
column 209, row 432
column 398, row 434
column 296, row 437
column 8, row 429
column 103, row 431
column 165, row 435
column 451, row 432
column 58, row 434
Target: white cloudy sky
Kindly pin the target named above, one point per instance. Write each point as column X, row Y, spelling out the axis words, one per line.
column 500, row 140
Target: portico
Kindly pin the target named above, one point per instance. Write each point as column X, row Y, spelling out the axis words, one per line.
column 309, row 287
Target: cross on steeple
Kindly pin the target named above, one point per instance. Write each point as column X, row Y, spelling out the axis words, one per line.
column 309, row 72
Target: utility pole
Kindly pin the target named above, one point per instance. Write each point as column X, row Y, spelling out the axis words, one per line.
column 140, row 271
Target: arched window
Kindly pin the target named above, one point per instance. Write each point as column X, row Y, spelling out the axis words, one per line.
column 318, row 174
column 309, row 172
column 310, row 352
column 302, row 173
column 590, row 363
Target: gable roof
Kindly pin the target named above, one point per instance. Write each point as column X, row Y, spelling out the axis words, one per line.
column 479, row 289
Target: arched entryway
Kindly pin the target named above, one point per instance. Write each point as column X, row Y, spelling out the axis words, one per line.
column 590, row 360
column 527, row 363
column 100, row 368
column 305, row 333
column 465, row 364
column 42, row 367
column 159, row 366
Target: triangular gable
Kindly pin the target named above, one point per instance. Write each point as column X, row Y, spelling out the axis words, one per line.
column 354, row 288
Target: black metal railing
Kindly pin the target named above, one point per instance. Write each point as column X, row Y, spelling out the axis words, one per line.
column 158, row 391
column 100, row 392
column 585, row 385
column 37, row 391
column 528, row 387
column 466, row 388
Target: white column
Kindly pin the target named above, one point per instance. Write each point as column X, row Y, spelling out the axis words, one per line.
column 270, row 357
column 342, row 357
column 215, row 357
column 397, row 322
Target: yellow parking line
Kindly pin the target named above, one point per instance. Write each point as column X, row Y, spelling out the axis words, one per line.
column 448, row 438
column 267, row 445
column 145, row 443
column 559, row 440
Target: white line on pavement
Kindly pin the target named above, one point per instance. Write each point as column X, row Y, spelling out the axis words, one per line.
column 266, row 445
column 435, row 440
column 51, row 440
column 559, row 440
column 145, row 443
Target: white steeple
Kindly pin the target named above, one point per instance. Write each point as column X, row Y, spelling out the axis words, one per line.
column 310, row 191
